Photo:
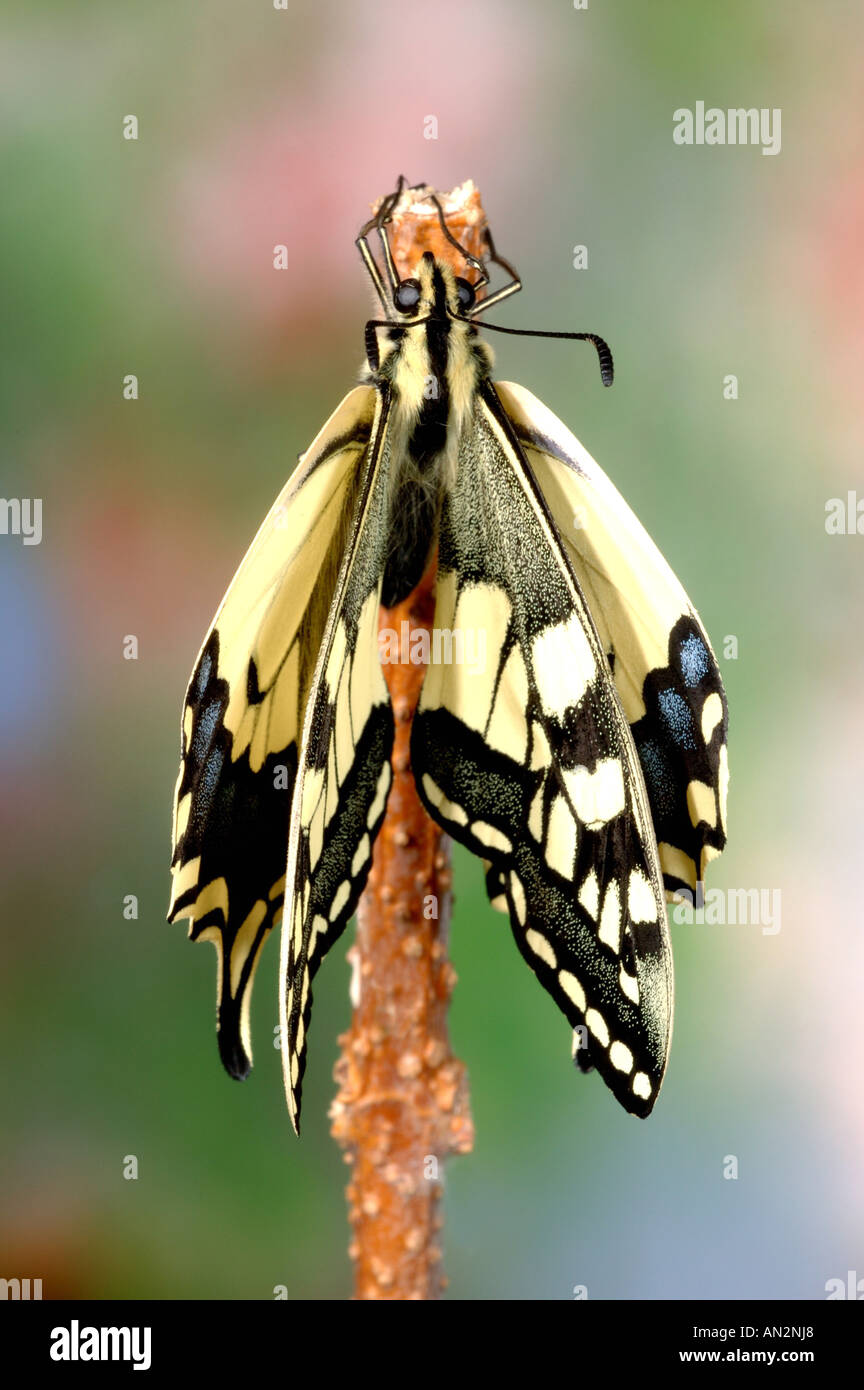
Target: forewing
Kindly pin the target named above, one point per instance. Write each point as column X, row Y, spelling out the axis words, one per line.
column 344, row 775
column 665, row 671
column 243, row 716
column 521, row 752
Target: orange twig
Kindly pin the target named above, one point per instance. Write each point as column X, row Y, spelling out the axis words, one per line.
column 403, row 1104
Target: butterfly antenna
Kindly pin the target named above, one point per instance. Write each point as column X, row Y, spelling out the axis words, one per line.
column 604, row 352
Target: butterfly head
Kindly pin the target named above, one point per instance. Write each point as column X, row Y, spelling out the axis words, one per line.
column 435, row 291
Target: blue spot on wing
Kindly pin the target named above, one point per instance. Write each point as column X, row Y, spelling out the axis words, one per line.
column 202, row 677
column 693, row 660
column 659, row 777
column 207, row 719
column 675, row 713
column 211, row 771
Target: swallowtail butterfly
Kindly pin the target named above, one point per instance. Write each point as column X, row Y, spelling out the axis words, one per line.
column 585, row 763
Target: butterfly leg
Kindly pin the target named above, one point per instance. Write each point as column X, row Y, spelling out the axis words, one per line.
column 512, row 287
column 362, row 243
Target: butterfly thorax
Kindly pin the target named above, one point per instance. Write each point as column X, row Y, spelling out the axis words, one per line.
column 431, row 369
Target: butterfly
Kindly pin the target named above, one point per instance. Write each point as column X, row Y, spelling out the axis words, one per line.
column 583, row 760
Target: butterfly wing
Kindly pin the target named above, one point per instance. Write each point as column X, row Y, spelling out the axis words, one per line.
column 243, row 712
column 665, row 671
column 526, row 758
column 344, row 772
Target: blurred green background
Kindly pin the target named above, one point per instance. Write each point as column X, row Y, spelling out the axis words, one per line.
column 154, row 257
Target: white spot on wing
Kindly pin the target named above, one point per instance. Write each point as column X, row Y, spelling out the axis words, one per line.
column 341, row 896
column 572, row 988
column 599, row 795
column 561, row 839
column 491, row 837
column 535, row 815
column 518, row 894
column 641, row 1086
column 541, row 947
column 610, row 920
column 712, row 713
column 597, row 1024
column 564, row 665
column 361, row 854
column 621, row 1057
column 589, row 894
column 629, row 985
column 640, row 898
column 380, row 796
column 701, row 803
column 723, row 783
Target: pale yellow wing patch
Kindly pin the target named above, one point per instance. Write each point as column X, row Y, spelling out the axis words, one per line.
column 243, row 713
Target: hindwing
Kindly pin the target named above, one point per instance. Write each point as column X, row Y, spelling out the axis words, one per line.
column 664, row 669
column 526, row 758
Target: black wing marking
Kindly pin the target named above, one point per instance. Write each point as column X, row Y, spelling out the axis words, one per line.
column 243, row 715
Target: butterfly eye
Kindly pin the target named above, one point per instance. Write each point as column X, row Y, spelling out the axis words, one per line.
column 407, row 296
column 467, row 297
